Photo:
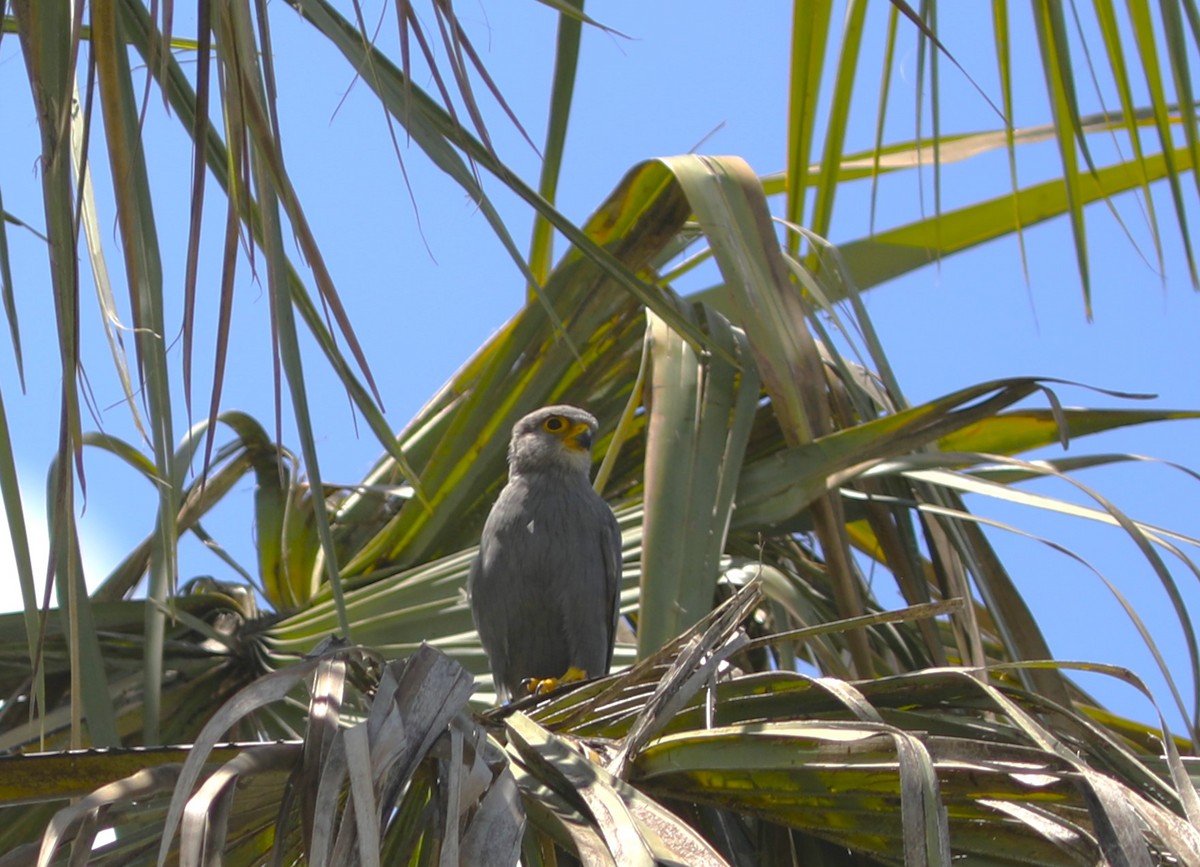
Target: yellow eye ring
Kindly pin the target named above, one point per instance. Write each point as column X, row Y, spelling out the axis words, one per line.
column 555, row 424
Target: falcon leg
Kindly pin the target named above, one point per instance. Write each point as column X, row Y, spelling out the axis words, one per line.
column 542, row 686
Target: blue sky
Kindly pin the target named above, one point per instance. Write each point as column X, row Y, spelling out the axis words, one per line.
column 671, row 84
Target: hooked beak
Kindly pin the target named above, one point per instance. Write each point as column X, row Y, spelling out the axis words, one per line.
column 579, row 438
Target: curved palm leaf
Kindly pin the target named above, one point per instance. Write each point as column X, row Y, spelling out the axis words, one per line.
column 933, row 732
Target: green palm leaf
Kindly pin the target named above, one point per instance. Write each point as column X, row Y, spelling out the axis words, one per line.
column 772, row 484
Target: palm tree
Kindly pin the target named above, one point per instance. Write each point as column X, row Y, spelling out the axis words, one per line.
column 329, row 702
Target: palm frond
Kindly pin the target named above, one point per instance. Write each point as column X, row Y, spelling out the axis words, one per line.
column 898, row 769
column 828, row 661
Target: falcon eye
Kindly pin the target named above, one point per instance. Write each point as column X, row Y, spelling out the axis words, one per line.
column 555, row 423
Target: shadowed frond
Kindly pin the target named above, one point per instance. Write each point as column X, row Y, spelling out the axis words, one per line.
column 903, row 769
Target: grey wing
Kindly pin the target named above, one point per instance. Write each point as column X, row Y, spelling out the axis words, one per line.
column 613, row 558
column 593, row 615
column 492, row 632
column 503, row 605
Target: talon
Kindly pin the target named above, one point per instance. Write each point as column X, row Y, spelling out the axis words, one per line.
column 545, row 685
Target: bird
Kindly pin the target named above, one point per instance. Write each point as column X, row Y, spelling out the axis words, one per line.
column 544, row 589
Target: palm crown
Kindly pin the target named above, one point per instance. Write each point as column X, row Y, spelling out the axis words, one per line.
column 767, row 473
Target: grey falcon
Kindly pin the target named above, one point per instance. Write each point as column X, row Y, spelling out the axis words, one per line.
column 545, row 588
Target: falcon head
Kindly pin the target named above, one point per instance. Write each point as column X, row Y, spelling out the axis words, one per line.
column 553, row 439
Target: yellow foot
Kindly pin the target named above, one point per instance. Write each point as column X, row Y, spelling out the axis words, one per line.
column 544, row 685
